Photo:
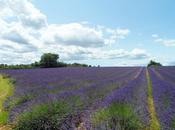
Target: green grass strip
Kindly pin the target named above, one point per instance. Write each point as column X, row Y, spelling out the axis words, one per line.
column 6, row 90
column 154, row 124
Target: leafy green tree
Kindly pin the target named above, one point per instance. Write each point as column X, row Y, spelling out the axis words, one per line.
column 49, row 60
column 35, row 64
column 78, row 65
column 153, row 63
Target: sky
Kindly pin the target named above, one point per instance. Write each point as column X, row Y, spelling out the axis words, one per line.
column 96, row 32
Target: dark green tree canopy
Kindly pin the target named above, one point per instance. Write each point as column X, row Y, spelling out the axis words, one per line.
column 153, row 63
column 49, row 60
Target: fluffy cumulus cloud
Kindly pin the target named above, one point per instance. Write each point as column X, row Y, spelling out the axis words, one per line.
column 80, row 34
column 24, row 12
column 25, row 34
column 166, row 42
column 73, row 34
column 81, row 53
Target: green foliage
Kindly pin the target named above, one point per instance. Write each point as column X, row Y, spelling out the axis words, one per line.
column 153, row 63
column 62, row 64
column 20, row 66
column 35, row 64
column 6, row 90
column 49, row 60
column 75, row 102
column 3, row 117
column 17, row 101
column 42, row 117
column 78, row 65
column 118, row 116
column 173, row 123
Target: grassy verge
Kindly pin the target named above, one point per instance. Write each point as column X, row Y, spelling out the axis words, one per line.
column 6, row 90
column 154, row 124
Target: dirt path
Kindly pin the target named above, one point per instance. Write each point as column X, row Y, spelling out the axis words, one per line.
column 154, row 124
column 5, row 127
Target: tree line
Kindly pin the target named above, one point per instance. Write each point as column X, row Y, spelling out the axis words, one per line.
column 51, row 60
column 47, row 60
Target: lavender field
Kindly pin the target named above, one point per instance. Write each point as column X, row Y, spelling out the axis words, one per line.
column 105, row 98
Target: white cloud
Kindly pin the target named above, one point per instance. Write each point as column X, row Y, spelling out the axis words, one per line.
column 155, row 35
column 72, row 34
column 131, row 63
column 22, row 11
column 25, row 35
column 166, row 42
column 81, row 53
column 81, row 34
column 139, row 54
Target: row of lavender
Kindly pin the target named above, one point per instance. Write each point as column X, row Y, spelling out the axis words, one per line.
column 132, row 95
column 163, row 81
column 98, row 90
column 91, row 85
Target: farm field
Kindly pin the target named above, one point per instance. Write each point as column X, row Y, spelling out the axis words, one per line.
column 92, row 98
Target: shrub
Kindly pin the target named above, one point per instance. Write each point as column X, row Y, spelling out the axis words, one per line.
column 13, row 102
column 117, row 116
column 44, row 117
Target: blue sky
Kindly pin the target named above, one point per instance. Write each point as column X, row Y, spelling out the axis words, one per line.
column 105, row 32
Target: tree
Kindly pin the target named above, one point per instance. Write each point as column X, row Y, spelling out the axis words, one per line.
column 153, row 63
column 49, row 60
column 35, row 64
column 78, row 65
